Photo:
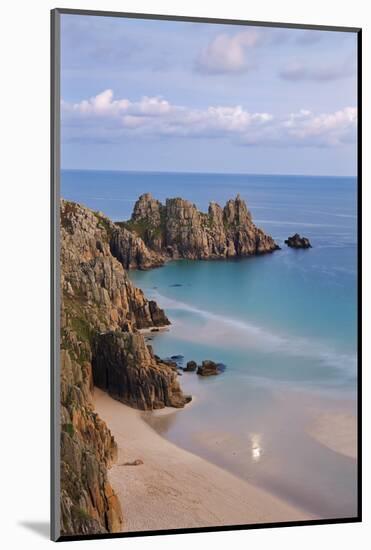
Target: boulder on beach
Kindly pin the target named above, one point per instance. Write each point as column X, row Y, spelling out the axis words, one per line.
column 298, row 242
column 136, row 462
column 191, row 366
column 208, row 368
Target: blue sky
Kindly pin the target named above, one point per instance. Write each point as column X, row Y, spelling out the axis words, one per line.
column 177, row 96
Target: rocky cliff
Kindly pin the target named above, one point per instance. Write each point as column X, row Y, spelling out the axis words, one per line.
column 131, row 250
column 177, row 229
column 101, row 312
column 126, row 367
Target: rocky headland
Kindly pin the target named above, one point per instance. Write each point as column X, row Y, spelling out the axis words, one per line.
column 101, row 314
column 177, row 229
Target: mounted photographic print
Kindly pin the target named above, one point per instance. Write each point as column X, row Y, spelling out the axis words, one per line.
column 206, row 200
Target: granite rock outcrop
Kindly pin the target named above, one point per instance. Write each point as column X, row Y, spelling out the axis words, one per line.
column 177, row 229
column 128, row 370
column 208, row 368
column 298, row 242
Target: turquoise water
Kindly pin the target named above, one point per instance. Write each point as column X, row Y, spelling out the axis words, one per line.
column 285, row 326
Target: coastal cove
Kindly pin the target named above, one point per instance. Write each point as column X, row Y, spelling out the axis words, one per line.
column 281, row 417
column 255, row 418
column 173, row 484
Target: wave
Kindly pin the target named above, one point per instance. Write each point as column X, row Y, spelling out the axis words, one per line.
column 265, row 340
column 335, row 214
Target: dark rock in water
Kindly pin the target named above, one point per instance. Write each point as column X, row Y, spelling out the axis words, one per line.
column 298, row 242
column 208, row 368
column 177, row 357
column 191, row 366
column 176, row 285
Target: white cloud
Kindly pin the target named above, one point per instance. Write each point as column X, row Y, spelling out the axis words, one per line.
column 330, row 129
column 227, row 53
column 104, row 104
column 105, row 118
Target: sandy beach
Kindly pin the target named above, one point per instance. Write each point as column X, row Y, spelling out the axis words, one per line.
column 337, row 431
column 172, row 488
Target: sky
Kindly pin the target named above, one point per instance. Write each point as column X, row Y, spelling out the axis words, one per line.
column 185, row 96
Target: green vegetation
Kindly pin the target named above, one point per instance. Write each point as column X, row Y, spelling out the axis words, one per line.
column 81, row 513
column 68, row 428
column 141, row 228
column 104, row 224
column 144, row 229
column 82, row 329
column 78, row 334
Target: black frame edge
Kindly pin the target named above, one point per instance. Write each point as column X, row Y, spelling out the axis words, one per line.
column 359, row 273
column 225, row 528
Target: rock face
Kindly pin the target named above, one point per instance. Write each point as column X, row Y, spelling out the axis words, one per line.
column 298, row 242
column 178, row 230
column 208, row 368
column 94, row 278
column 125, row 367
column 101, row 312
column 88, row 503
column 131, row 251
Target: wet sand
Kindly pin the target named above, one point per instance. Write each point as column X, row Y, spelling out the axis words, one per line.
column 336, row 431
column 173, row 488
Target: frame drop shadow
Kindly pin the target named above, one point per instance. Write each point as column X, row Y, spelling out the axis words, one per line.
column 41, row 528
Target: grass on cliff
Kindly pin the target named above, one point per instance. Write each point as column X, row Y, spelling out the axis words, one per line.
column 144, row 229
column 78, row 323
column 81, row 513
column 83, row 329
column 103, row 223
column 68, row 428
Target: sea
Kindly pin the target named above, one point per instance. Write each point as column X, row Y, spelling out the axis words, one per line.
column 284, row 325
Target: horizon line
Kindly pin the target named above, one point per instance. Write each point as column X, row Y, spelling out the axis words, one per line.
column 206, row 172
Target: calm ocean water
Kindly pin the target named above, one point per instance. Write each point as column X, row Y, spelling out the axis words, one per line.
column 285, row 326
